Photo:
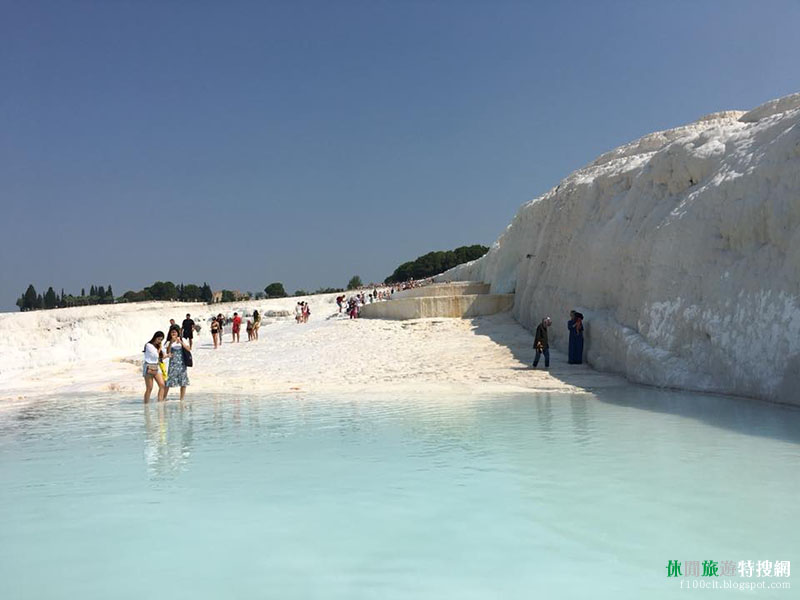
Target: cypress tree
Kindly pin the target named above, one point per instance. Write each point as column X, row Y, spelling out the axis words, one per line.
column 29, row 298
column 207, row 294
column 50, row 299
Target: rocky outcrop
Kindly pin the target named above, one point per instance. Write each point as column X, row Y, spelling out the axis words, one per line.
column 681, row 248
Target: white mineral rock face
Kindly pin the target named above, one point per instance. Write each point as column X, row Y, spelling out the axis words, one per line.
column 682, row 249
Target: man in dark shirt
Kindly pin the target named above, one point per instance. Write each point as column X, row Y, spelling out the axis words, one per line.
column 540, row 343
column 188, row 329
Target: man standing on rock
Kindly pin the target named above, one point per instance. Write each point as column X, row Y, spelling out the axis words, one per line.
column 541, row 344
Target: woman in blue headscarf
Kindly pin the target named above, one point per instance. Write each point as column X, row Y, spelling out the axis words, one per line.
column 575, row 326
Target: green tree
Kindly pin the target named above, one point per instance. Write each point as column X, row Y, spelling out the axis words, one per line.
column 228, row 296
column 192, row 293
column 109, row 295
column 162, row 290
column 50, row 300
column 83, row 291
column 433, row 263
column 207, row 294
column 141, row 296
column 300, row 293
column 29, row 298
column 354, row 283
column 92, row 291
column 275, row 290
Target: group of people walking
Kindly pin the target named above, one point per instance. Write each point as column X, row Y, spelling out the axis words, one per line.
column 353, row 304
column 301, row 312
column 576, row 331
column 218, row 326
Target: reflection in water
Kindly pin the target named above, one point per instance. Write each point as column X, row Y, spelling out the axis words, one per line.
column 581, row 420
column 168, row 437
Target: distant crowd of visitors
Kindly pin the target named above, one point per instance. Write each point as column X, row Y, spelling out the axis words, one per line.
column 354, row 303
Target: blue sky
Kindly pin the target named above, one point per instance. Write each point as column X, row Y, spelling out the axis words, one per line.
column 242, row 143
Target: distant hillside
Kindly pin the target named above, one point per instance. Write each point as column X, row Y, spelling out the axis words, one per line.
column 436, row 262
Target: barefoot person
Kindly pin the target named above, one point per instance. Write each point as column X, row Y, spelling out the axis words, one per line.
column 237, row 324
column 176, row 373
column 256, row 324
column 221, row 321
column 215, row 335
column 150, row 369
column 298, row 312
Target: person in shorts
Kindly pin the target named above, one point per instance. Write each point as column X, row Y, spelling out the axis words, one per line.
column 187, row 329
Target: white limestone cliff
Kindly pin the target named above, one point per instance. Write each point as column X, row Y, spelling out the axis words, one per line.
column 682, row 249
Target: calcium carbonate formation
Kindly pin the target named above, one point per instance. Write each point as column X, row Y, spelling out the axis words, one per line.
column 682, row 249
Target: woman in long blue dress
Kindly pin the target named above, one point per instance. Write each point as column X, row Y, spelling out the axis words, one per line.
column 575, row 326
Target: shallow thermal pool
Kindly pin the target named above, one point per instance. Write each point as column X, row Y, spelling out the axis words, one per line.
column 518, row 496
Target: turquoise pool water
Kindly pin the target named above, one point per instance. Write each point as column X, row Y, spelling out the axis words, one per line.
column 523, row 496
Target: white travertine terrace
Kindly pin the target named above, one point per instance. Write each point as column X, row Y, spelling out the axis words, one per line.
column 681, row 248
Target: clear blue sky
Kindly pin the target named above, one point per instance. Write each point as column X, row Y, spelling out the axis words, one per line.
column 242, row 143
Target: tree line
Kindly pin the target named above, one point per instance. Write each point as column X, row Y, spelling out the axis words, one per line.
column 433, row 263
column 31, row 300
column 166, row 290
column 160, row 290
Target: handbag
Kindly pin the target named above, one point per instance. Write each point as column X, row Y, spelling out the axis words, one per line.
column 187, row 358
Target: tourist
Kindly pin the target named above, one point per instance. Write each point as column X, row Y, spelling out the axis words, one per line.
column 176, row 374
column 172, row 323
column 249, row 330
column 256, row 324
column 298, row 312
column 237, row 323
column 150, row 369
column 221, row 321
column 340, row 302
column 187, row 329
column 215, row 335
column 575, row 326
column 541, row 344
